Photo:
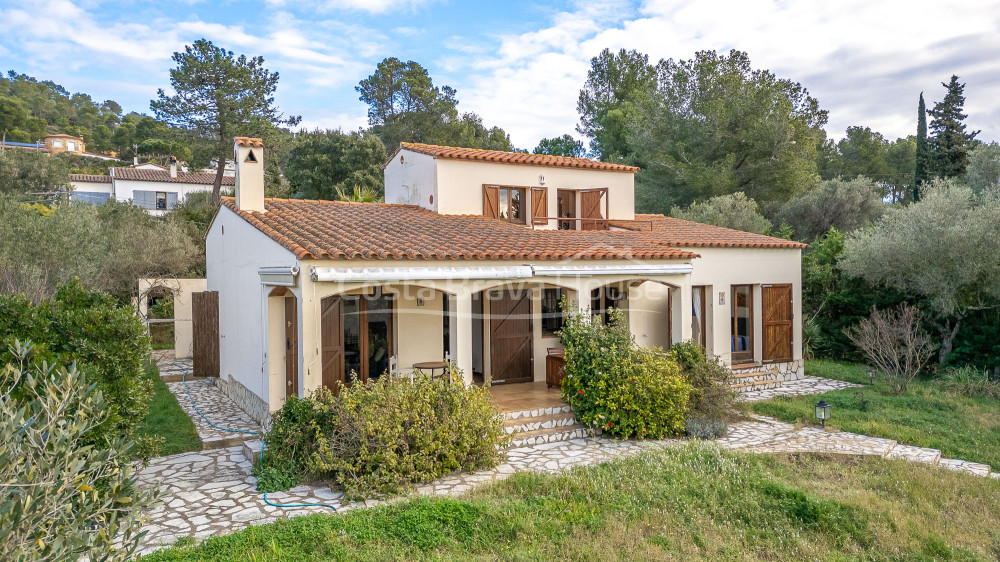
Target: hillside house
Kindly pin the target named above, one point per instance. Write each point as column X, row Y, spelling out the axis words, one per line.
column 467, row 262
column 154, row 188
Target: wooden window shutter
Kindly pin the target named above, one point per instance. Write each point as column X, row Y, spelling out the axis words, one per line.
column 539, row 204
column 590, row 208
column 332, row 342
column 491, row 202
column 777, row 322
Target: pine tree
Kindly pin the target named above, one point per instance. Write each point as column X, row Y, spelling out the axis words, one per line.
column 949, row 155
column 920, row 173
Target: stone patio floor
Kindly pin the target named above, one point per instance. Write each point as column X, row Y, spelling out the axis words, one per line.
column 210, row 492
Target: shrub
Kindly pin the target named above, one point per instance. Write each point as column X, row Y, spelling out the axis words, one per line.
column 61, row 498
column 107, row 343
column 971, row 381
column 379, row 437
column 895, row 343
column 705, row 428
column 614, row 385
column 711, row 397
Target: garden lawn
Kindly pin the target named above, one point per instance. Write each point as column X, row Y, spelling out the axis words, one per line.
column 166, row 419
column 693, row 501
column 926, row 416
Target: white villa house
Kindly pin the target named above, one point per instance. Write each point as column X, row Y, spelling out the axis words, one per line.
column 467, row 262
column 154, row 188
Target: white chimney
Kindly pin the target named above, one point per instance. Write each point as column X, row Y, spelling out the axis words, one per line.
column 249, row 155
column 173, row 166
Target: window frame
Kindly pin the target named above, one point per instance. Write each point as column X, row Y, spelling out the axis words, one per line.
column 156, row 201
column 526, row 207
column 547, row 315
column 748, row 356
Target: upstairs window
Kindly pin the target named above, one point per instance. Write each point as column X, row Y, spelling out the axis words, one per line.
column 505, row 203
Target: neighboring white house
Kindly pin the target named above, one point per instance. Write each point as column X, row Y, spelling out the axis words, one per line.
column 468, row 261
column 149, row 186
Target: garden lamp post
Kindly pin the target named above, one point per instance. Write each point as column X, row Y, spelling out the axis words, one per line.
column 822, row 412
column 871, row 375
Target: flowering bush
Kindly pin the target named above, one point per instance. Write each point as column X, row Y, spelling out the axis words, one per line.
column 617, row 386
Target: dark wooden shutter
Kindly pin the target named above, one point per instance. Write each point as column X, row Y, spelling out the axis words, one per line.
column 539, row 204
column 491, row 202
column 590, row 208
column 332, row 341
column 291, row 347
column 777, row 322
column 205, row 326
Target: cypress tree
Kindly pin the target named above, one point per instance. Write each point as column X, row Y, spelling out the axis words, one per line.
column 920, row 173
column 950, row 145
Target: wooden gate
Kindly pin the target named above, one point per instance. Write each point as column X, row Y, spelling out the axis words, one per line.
column 777, row 317
column 331, row 328
column 510, row 337
column 205, row 325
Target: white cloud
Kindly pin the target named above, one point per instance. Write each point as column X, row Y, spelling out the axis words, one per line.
column 369, row 6
column 864, row 61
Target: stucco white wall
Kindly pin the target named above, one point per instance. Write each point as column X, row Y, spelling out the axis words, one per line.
column 124, row 190
column 411, row 179
column 90, row 186
column 457, row 185
column 234, row 250
column 720, row 268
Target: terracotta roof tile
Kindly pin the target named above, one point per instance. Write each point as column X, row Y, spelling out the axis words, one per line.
column 341, row 230
column 249, row 141
column 90, row 178
column 456, row 153
column 201, row 178
column 683, row 233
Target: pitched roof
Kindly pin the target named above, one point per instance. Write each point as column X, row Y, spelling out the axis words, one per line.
column 90, row 178
column 683, row 233
column 342, row 230
column 133, row 174
column 477, row 154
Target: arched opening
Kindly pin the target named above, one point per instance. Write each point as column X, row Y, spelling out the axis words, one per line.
column 648, row 306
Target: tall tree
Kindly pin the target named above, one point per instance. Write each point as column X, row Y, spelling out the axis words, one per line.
column 404, row 105
column 325, row 163
column 565, row 145
column 923, row 149
column 983, row 175
column 615, row 82
column 218, row 96
column 951, row 143
column 716, row 125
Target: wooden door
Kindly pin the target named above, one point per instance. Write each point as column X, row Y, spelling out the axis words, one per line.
column 205, row 326
column 590, row 208
column 776, row 304
column 291, row 347
column 332, row 341
column 510, row 337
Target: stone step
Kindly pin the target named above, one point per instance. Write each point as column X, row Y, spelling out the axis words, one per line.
column 538, row 412
column 755, row 385
column 746, row 377
column 521, row 425
column 553, row 435
column 181, row 378
column 959, row 465
column 251, row 449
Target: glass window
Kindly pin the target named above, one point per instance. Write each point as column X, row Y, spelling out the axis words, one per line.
column 352, row 339
column 742, row 317
column 566, row 203
column 379, row 335
column 161, row 200
column 57, row 143
column 510, row 204
column 552, row 314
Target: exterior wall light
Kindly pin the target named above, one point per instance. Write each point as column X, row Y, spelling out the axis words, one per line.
column 822, row 412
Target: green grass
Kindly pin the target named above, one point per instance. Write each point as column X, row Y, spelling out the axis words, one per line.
column 166, row 419
column 926, row 416
column 689, row 502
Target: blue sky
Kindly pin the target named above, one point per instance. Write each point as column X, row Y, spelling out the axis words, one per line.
column 518, row 64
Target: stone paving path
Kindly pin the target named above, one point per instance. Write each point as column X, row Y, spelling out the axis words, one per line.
column 801, row 387
column 219, row 408
column 211, row 492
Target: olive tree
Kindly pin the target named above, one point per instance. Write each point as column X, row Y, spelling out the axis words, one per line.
column 60, row 498
column 731, row 211
column 940, row 250
column 844, row 205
